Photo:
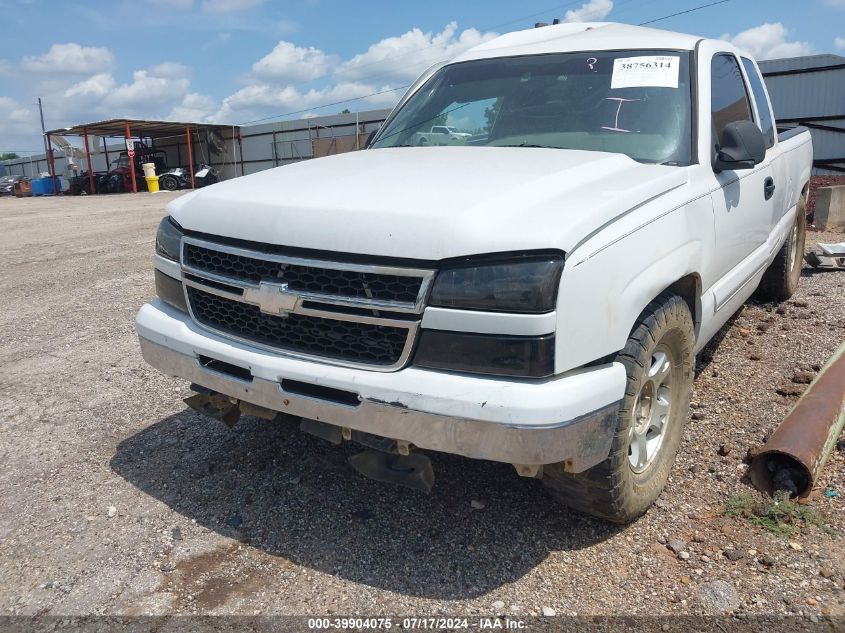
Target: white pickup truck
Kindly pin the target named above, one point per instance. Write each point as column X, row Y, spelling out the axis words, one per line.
column 442, row 135
column 541, row 306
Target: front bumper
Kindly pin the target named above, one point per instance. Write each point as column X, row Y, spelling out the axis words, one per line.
column 569, row 418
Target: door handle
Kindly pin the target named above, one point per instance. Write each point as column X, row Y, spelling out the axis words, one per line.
column 769, row 188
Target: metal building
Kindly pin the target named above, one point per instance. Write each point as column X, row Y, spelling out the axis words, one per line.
column 811, row 91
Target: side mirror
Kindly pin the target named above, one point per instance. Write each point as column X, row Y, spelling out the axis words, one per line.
column 742, row 146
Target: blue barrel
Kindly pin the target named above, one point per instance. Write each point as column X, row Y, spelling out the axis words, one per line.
column 39, row 186
column 44, row 186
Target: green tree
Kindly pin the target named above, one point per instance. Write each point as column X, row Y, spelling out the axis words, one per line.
column 491, row 112
column 345, row 111
column 440, row 119
column 8, row 156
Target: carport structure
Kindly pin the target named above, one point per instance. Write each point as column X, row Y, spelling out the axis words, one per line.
column 145, row 131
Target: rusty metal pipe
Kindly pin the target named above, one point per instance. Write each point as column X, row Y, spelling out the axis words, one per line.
column 796, row 452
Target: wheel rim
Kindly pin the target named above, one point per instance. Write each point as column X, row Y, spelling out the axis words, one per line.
column 651, row 412
column 793, row 247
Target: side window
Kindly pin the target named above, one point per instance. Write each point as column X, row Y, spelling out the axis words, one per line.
column 729, row 100
column 767, row 125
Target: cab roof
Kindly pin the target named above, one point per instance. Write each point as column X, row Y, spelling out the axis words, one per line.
column 579, row 36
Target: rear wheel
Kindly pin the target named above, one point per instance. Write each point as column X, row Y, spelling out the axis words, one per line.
column 780, row 281
column 659, row 360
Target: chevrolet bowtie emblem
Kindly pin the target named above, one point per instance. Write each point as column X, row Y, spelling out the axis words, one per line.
column 272, row 298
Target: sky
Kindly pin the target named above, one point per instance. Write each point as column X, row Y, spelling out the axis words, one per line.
column 235, row 61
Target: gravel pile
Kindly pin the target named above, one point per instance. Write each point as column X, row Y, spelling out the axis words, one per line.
column 119, row 500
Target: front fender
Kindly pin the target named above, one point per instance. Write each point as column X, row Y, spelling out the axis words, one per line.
column 603, row 291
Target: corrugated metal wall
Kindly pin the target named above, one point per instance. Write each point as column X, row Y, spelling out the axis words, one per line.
column 811, row 91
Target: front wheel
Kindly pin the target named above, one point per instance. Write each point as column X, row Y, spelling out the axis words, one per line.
column 659, row 359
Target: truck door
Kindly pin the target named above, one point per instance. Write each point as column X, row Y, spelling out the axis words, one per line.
column 742, row 199
column 774, row 157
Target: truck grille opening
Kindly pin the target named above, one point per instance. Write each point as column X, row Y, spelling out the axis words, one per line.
column 339, row 396
column 302, row 278
column 338, row 339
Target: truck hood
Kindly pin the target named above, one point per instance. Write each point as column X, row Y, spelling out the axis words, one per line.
column 429, row 202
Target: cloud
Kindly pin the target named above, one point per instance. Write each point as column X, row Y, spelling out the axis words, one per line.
column 12, row 112
column 229, row 6
column 97, row 86
column 17, row 126
column 70, row 58
column 386, row 64
column 768, row 41
column 404, row 57
column 169, row 70
column 151, row 93
column 259, row 100
column 288, row 62
column 179, row 5
column 592, row 11
column 273, row 86
column 147, row 93
column 839, row 43
column 194, row 107
column 836, row 4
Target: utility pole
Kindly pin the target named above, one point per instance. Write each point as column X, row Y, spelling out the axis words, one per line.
column 47, row 151
column 43, row 129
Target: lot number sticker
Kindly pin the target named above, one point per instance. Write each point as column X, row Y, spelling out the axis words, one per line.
column 645, row 72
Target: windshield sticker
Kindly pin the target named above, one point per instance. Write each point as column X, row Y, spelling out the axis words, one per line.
column 646, row 72
column 591, row 62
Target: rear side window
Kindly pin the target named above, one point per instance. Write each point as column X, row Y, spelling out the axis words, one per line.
column 729, row 99
column 767, row 125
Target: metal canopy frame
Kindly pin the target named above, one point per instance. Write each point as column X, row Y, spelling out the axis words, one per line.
column 136, row 128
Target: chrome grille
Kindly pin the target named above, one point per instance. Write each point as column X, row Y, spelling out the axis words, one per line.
column 343, row 313
column 343, row 283
column 342, row 340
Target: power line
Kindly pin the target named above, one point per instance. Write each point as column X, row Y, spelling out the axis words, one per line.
column 325, row 105
column 673, row 15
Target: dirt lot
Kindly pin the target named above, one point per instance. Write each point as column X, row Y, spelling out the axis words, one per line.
column 118, row 500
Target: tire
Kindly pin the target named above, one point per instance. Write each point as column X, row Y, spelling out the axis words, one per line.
column 168, row 183
column 780, row 281
column 423, row 141
column 623, row 487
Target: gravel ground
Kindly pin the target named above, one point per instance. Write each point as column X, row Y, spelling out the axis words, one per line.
column 119, row 500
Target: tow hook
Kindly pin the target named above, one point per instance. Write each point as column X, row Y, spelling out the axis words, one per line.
column 227, row 410
column 412, row 471
column 217, row 406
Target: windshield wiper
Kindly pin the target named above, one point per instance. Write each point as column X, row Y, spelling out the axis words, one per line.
column 530, row 145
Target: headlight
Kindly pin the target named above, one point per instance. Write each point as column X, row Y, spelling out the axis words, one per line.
column 527, row 284
column 169, row 239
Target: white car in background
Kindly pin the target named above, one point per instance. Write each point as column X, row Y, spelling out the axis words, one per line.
column 442, row 135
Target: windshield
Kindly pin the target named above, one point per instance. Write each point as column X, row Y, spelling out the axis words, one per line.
column 629, row 102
